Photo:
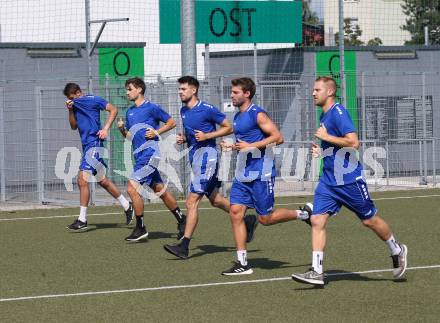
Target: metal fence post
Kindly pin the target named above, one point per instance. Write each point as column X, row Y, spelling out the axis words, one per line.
column 110, row 139
column 375, row 167
column 422, row 181
column 425, row 148
column 434, row 170
column 207, row 73
column 341, row 34
column 39, row 127
column 363, row 108
column 2, row 147
column 188, row 37
column 387, row 156
column 221, row 88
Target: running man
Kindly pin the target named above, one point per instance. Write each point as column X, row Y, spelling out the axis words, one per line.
column 84, row 115
column 199, row 122
column 342, row 184
column 255, row 174
column 142, row 127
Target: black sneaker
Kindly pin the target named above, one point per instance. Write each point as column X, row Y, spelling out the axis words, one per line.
column 77, row 226
column 177, row 250
column 309, row 277
column 309, row 209
column 181, row 230
column 129, row 214
column 137, row 234
column 238, row 269
column 400, row 262
column 251, row 223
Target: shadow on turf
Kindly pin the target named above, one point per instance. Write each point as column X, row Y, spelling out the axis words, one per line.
column 209, row 248
column 266, row 263
column 341, row 275
column 99, row 226
column 338, row 275
column 151, row 234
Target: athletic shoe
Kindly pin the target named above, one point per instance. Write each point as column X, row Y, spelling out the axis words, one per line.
column 238, row 269
column 137, row 234
column 399, row 262
column 181, row 229
column 251, row 225
column 309, row 209
column 77, row 225
column 129, row 214
column 309, row 277
column 177, row 250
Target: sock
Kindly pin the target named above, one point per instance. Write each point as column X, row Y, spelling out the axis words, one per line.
column 124, row 202
column 242, row 257
column 139, row 221
column 393, row 246
column 302, row 215
column 83, row 214
column 185, row 242
column 178, row 215
column 317, row 257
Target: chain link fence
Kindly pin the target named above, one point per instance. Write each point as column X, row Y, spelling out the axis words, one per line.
column 40, row 154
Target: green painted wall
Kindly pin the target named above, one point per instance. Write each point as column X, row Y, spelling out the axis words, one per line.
column 116, row 65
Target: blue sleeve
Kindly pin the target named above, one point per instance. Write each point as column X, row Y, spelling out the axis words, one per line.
column 216, row 116
column 160, row 114
column 101, row 102
column 344, row 124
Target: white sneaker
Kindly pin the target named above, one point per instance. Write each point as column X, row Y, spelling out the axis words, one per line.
column 309, row 277
column 400, row 262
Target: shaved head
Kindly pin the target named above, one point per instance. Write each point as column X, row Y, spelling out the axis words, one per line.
column 329, row 82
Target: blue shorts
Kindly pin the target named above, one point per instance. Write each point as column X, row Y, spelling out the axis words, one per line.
column 256, row 195
column 354, row 196
column 204, row 180
column 205, row 186
column 143, row 173
column 91, row 160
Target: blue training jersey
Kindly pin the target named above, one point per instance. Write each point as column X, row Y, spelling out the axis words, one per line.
column 203, row 117
column 246, row 128
column 138, row 120
column 341, row 165
column 86, row 110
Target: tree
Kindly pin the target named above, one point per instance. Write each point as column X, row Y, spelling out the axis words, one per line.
column 352, row 33
column 421, row 13
column 308, row 16
column 376, row 41
column 312, row 28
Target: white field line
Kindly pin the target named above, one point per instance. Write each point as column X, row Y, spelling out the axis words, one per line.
column 150, row 289
column 201, row 208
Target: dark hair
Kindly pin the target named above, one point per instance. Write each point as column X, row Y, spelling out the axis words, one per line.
column 71, row 88
column 246, row 85
column 137, row 83
column 330, row 81
column 190, row 80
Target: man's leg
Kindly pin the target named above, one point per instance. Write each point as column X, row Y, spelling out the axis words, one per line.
column 111, row 188
column 139, row 231
column 80, row 224
column 398, row 251
column 181, row 250
column 264, row 199
column 283, row 215
column 315, row 275
column 170, row 202
column 241, row 267
column 84, row 191
column 219, row 201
